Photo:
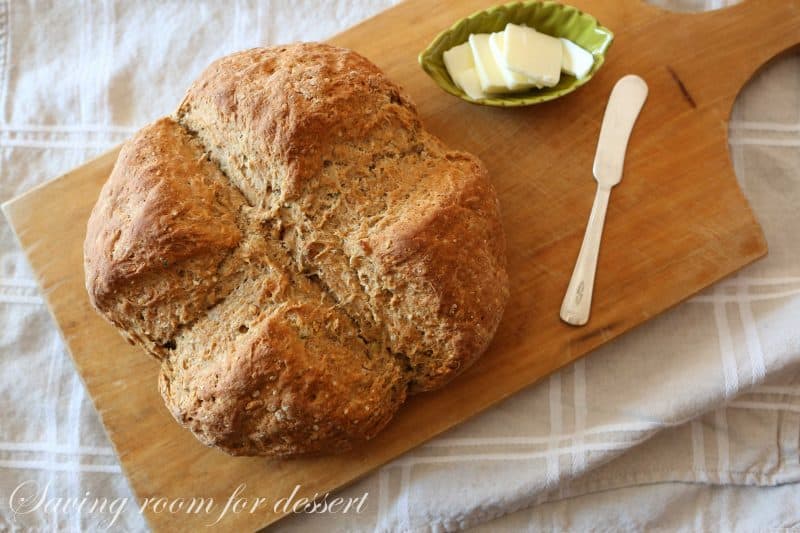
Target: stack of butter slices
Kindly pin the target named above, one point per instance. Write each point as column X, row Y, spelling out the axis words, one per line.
column 516, row 59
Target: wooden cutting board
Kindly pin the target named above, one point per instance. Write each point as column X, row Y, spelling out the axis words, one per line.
column 677, row 223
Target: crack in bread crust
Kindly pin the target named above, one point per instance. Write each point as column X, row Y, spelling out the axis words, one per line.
column 366, row 260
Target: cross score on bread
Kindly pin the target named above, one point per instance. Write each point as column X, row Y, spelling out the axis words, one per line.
column 297, row 251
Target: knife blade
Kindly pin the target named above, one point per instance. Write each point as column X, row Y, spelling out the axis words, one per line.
column 626, row 101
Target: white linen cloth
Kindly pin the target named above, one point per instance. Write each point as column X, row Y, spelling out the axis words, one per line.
column 680, row 424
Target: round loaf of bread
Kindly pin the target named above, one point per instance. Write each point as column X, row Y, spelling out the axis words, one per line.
column 297, row 252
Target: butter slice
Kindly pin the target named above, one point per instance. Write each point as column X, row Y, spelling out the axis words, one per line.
column 461, row 68
column 575, row 60
column 489, row 74
column 532, row 54
column 514, row 81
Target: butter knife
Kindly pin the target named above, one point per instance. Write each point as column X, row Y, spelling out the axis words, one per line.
column 627, row 99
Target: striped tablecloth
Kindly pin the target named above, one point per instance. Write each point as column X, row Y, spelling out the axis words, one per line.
column 690, row 422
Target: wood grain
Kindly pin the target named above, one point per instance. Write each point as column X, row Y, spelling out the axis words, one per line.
column 677, row 223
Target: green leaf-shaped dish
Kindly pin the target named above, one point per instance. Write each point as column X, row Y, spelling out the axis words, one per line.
column 552, row 18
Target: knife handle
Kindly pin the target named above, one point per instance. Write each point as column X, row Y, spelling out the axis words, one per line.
column 578, row 300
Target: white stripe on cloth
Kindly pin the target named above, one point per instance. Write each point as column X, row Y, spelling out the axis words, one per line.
column 108, row 58
column 631, row 427
column 698, row 448
column 18, row 282
column 765, row 126
column 74, row 428
column 556, row 428
column 55, row 448
column 5, row 60
column 405, row 488
column 518, row 456
column 67, row 128
column 764, row 406
column 23, row 292
column 752, row 341
column 736, row 298
column 18, row 299
column 751, row 282
column 723, row 445
column 59, row 467
column 776, row 389
column 749, row 141
column 579, row 454
column 383, row 495
column 64, row 145
column 727, row 354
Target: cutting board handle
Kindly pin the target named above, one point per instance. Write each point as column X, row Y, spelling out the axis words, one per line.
column 733, row 43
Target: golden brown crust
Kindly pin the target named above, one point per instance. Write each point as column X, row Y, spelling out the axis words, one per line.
column 157, row 239
column 298, row 251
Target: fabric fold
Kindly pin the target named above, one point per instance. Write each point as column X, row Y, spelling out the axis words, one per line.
column 689, row 422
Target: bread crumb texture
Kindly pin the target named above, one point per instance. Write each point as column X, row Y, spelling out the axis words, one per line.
column 297, row 251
